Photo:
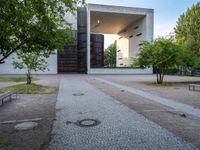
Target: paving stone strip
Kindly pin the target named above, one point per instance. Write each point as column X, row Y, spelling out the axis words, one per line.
column 18, row 121
column 118, row 126
column 168, row 102
column 6, row 84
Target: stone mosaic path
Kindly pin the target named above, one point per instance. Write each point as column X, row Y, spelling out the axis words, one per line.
column 119, row 127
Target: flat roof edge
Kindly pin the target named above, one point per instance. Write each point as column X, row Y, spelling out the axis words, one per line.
column 93, row 6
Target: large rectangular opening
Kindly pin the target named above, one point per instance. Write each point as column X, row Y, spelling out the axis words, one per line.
column 128, row 31
column 124, row 27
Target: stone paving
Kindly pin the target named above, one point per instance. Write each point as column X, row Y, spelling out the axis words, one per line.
column 178, row 91
column 119, row 128
column 168, row 102
column 5, row 84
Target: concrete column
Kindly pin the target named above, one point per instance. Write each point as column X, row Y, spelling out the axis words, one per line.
column 88, row 41
column 150, row 26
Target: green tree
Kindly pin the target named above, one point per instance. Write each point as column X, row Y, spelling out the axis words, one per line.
column 188, row 35
column 37, row 26
column 161, row 54
column 110, row 55
column 30, row 61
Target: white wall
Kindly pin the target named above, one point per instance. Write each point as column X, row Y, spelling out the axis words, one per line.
column 122, row 52
column 136, row 40
column 121, row 71
column 129, row 42
column 7, row 67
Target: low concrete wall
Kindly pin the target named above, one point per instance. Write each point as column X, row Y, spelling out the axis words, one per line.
column 7, row 67
column 120, row 71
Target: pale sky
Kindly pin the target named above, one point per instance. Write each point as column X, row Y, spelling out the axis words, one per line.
column 166, row 12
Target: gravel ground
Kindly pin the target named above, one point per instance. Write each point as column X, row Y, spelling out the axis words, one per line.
column 48, row 80
column 29, row 107
column 185, row 127
column 113, row 132
column 167, row 102
column 120, row 127
column 178, row 92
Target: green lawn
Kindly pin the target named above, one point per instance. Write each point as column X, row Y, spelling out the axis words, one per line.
column 29, row 89
column 14, row 79
column 171, row 83
column 162, row 84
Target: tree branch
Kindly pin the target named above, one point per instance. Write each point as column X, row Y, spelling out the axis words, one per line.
column 12, row 51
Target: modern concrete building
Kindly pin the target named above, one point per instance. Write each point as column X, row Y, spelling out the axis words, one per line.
column 132, row 25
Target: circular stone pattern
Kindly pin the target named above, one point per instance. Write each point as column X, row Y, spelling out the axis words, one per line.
column 25, row 126
column 88, row 123
column 78, row 94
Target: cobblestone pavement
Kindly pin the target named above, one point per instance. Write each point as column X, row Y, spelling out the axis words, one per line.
column 119, row 128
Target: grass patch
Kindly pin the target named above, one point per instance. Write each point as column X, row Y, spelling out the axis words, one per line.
column 14, row 79
column 162, row 84
column 171, row 83
column 29, row 89
column 3, row 141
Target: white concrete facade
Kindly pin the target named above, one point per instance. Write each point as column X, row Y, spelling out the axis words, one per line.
column 7, row 67
column 124, row 25
column 129, row 42
column 139, row 27
column 121, row 71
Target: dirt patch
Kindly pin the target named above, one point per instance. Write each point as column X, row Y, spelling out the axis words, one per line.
column 186, row 127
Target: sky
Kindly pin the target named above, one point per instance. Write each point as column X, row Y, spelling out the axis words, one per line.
column 166, row 12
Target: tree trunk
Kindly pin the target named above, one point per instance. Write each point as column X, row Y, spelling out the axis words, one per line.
column 162, row 78
column 157, row 76
column 28, row 77
column 160, row 75
column 11, row 52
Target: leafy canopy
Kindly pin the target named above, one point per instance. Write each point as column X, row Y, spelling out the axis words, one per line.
column 161, row 54
column 188, row 35
column 31, row 62
column 34, row 25
column 110, row 55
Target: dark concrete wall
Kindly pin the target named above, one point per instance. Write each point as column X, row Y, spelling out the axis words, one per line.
column 82, row 40
column 68, row 59
column 74, row 57
column 97, row 50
